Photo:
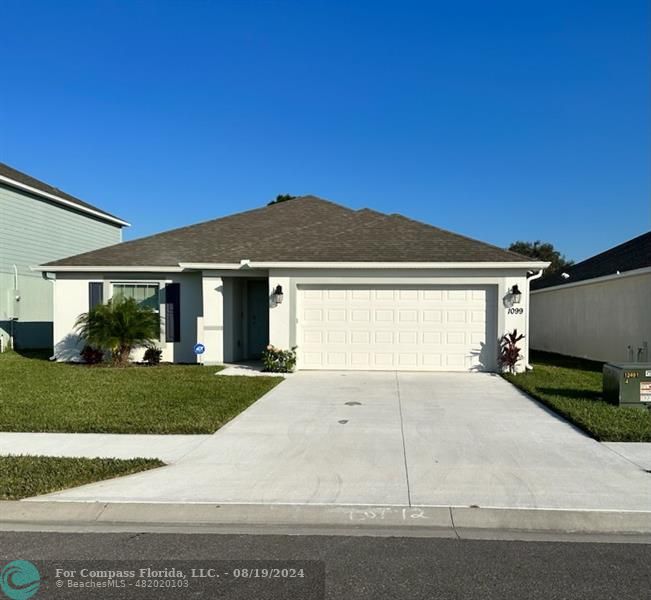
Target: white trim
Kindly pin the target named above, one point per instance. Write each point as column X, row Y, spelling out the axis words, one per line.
column 291, row 265
column 105, row 269
column 368, row 265
column 37, row 192
column 603, row 278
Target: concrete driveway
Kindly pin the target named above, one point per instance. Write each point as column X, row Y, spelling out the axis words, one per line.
column 378, row 438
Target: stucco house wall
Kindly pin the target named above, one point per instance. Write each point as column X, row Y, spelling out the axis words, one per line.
column 596, row 319
column 71, row 299
column 212, row 311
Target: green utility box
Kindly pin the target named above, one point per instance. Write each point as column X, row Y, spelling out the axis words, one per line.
column 628, row 384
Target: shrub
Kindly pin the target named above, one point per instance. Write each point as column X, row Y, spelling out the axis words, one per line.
column 276, row 360
column 119, row 326
column 91, row 356
column 152, row 355
column 509, row 351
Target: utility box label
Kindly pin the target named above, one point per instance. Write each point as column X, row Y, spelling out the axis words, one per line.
column 645, row 391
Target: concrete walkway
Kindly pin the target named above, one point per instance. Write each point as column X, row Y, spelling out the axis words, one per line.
column 168, row 448
column 419, row 439
column 638, row 453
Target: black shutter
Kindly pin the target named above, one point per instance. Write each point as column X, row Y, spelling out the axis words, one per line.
column 95, row 293
column 173, row 312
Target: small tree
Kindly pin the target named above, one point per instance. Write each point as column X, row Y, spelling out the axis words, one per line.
column 543, row 251
column 509, row 351
column 281, row 198
column 119, row 326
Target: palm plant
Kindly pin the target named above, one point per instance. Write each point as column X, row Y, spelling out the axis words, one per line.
column 119, row 326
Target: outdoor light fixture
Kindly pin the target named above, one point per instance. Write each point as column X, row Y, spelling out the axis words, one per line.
column 278, row 294
column 516, row 294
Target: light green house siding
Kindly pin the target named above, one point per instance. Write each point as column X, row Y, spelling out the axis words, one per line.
column 34, row 231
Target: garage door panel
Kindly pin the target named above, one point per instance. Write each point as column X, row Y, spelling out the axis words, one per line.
column 411, row 328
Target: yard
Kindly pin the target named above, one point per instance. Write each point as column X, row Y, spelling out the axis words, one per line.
column 572, row 388
column 25, row 476
column 39, row 395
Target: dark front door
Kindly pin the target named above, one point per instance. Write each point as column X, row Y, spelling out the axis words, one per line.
column 257, row 301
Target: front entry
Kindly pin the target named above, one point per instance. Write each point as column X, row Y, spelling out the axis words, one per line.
column 257, row 300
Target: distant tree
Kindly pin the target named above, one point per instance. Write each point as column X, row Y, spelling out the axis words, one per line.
column 281, row 198
column 542, row 251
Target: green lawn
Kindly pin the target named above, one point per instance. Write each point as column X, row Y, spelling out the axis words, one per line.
column 39, row 395
column 25, row 476
column 572, row 388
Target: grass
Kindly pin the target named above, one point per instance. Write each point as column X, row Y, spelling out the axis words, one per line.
column 25, row 476
column 572, row 387
column 39, row 395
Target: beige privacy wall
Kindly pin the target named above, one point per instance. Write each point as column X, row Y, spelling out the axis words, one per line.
column 596, row 319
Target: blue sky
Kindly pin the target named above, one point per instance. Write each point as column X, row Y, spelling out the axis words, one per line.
column 498, row 120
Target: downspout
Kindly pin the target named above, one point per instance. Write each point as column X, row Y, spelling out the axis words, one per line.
column 528, row 366
column 12, row 341
column 52, row 281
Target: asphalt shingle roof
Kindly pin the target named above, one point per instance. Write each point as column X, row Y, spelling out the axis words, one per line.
column 633, row 254
column 25, row 179
column 306, row 229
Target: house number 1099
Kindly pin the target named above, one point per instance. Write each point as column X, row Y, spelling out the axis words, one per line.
column 516, row 311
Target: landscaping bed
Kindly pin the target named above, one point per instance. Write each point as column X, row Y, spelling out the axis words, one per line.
column 40, row 395
column 26, row 476
column 572, row 387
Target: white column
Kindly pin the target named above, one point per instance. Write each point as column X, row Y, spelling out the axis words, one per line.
column 213, row 319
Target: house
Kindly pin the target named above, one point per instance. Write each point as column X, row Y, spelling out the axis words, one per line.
column 352, row 289
column 599, row 308
column 39, row 223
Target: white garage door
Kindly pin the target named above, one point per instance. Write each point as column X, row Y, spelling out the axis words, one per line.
column 434, row 328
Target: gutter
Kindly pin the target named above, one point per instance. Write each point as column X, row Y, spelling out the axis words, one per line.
column 105, row 269
column 365, row 265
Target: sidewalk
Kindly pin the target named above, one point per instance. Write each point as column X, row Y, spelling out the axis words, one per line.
column 168, row 448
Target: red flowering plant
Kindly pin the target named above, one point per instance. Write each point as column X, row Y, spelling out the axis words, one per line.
column 509, row 350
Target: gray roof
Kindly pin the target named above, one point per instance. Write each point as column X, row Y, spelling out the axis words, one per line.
column 306, row 229
column 631, row 255
column 20, row 177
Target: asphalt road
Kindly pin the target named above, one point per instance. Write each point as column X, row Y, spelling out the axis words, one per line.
column 355, row 568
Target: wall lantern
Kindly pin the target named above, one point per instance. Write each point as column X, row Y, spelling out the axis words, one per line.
column 516, row 294
column 278, row 294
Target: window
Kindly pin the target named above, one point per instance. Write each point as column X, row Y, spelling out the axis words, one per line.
column 145, row 294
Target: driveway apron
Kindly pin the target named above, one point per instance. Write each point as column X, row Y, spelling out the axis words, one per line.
column 386, row 438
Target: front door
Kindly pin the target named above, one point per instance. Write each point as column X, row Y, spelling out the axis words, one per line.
column 257, row 299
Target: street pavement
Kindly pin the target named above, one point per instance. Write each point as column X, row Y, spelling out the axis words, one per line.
column 373, row 568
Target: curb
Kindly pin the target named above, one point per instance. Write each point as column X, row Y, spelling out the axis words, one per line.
column 405, row 520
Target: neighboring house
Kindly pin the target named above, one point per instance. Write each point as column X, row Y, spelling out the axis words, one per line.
column 599, row 308
column 39, row 223
column 353, row 289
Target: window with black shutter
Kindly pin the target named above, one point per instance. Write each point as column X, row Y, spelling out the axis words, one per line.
column 173, row 312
